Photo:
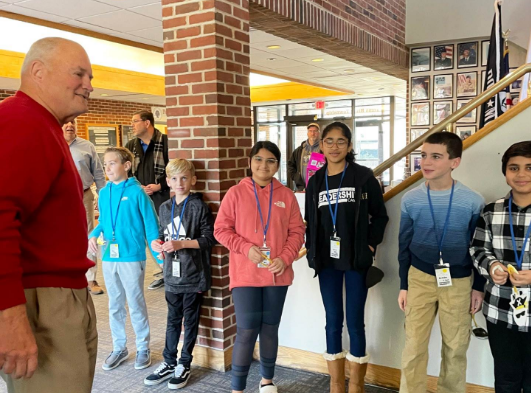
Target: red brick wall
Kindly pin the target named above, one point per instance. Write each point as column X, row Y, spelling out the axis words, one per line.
column 101, row 112
column 206, row 53
column 368, row 32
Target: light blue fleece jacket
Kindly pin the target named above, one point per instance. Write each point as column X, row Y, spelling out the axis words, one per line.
column 136, row 222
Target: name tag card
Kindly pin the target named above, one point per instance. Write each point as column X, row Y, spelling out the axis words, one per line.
column 335, row 247
column 114, row 250
column 442, row 273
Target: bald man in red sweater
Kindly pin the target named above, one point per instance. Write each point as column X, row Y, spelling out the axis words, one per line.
column 48, row 337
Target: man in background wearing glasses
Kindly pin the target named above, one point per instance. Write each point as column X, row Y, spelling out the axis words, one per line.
column 298, row 162
column 150, row 149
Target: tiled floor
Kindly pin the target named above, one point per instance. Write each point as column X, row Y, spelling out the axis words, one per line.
column 126, row 379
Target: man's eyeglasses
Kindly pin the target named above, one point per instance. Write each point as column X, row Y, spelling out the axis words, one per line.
column 135, row 121
column 340, row 143
column 268, row 161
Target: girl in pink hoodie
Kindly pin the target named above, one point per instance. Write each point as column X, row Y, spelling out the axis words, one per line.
column 259, row 217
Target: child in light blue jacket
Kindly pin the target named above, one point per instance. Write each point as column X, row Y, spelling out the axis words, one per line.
column 127, row 220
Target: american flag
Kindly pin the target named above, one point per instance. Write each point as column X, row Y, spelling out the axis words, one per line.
column 449, row 49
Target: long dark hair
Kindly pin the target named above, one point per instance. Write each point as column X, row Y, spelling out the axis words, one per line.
column 337, row 125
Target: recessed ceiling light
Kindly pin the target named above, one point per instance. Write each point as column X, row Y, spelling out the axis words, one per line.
column 317, row 60
column 272, row 58
column 104, row 95
column 273, row 47
column 349, row 71
column 381, row 88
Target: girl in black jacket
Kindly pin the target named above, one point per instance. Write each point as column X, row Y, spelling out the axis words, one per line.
column 346, row 219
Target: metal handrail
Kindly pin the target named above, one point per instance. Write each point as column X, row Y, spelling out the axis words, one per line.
column 448, row 122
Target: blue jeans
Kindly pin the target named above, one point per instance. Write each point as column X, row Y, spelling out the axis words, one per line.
column 331, row 285
column 125, row 281
column 258, row 311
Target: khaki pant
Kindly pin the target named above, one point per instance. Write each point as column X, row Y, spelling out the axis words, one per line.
column 64, row 323
column 88, row 202
column 424, row 299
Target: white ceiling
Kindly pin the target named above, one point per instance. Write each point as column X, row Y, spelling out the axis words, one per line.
column 436, row 20
column 141, row 21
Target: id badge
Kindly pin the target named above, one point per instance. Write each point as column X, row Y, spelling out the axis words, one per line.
column 267, row 252
column 335, row 247
column 520, row 305
column 442, row 273
column 114, row 250
column 176, row 267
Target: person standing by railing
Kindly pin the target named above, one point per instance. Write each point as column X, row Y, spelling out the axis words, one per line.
column 436, row 271
column 500, row 249
column 341, row 241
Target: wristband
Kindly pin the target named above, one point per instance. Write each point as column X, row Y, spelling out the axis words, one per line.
column 497, row 267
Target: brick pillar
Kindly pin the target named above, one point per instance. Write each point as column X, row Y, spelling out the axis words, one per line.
column 206, row 55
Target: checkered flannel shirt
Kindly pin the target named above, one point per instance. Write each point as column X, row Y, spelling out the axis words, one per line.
column 492, row 243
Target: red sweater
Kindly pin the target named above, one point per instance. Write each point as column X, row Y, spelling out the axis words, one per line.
column 43, row 226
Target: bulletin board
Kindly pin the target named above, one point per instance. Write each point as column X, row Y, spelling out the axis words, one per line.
column 102, row 136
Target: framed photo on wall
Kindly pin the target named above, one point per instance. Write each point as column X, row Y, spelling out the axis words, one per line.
column 470, row 117
column 102, row 136
column 467, row 54
column 420, row 88
column 443, row 57
column 484, row 52
column 126, row 133
column 467, row 84
column 443, row 86
column 420, row 114
column 465, row 131
column 441, row 110
column 416, row 133
column 420, row 59
column 516, row 86
column 414, row 162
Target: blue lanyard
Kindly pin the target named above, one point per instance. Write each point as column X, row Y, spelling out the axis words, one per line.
column 334, row 214
column 173, row 237
column 266, row 227
column 115, row 218
column 441, row 241
column 519, row 258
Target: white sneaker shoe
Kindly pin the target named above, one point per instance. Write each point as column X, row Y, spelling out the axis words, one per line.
column 268, row 389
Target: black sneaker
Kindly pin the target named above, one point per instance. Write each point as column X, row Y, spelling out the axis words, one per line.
column 162, row 373
column 156, row 284
column 181, row 377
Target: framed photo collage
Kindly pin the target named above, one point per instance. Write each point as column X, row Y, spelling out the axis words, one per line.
column 443, row 78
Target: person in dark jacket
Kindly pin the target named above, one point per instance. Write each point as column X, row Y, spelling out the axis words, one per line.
column 186, row 239
column 150, row 151
column 299, row 159
column 346, row 219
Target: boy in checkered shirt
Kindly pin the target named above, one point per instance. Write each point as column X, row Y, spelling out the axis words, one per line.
column 500, row 249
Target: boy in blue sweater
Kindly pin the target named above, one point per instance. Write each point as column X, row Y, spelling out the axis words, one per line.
column 436, row 271
column 127, row 220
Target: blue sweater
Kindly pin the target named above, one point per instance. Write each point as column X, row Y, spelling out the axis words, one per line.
column 418, row 240
column 136, row 223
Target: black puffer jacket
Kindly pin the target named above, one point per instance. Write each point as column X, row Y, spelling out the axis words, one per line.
column 198, row 224
column 370, row 222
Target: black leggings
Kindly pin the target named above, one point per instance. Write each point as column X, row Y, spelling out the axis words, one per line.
column 258, row 311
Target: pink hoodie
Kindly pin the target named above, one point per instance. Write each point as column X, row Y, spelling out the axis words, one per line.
column 238, row 227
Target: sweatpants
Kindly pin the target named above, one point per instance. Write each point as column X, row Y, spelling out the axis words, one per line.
column 187, row 306
column 125, row 281
column 258, row 312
